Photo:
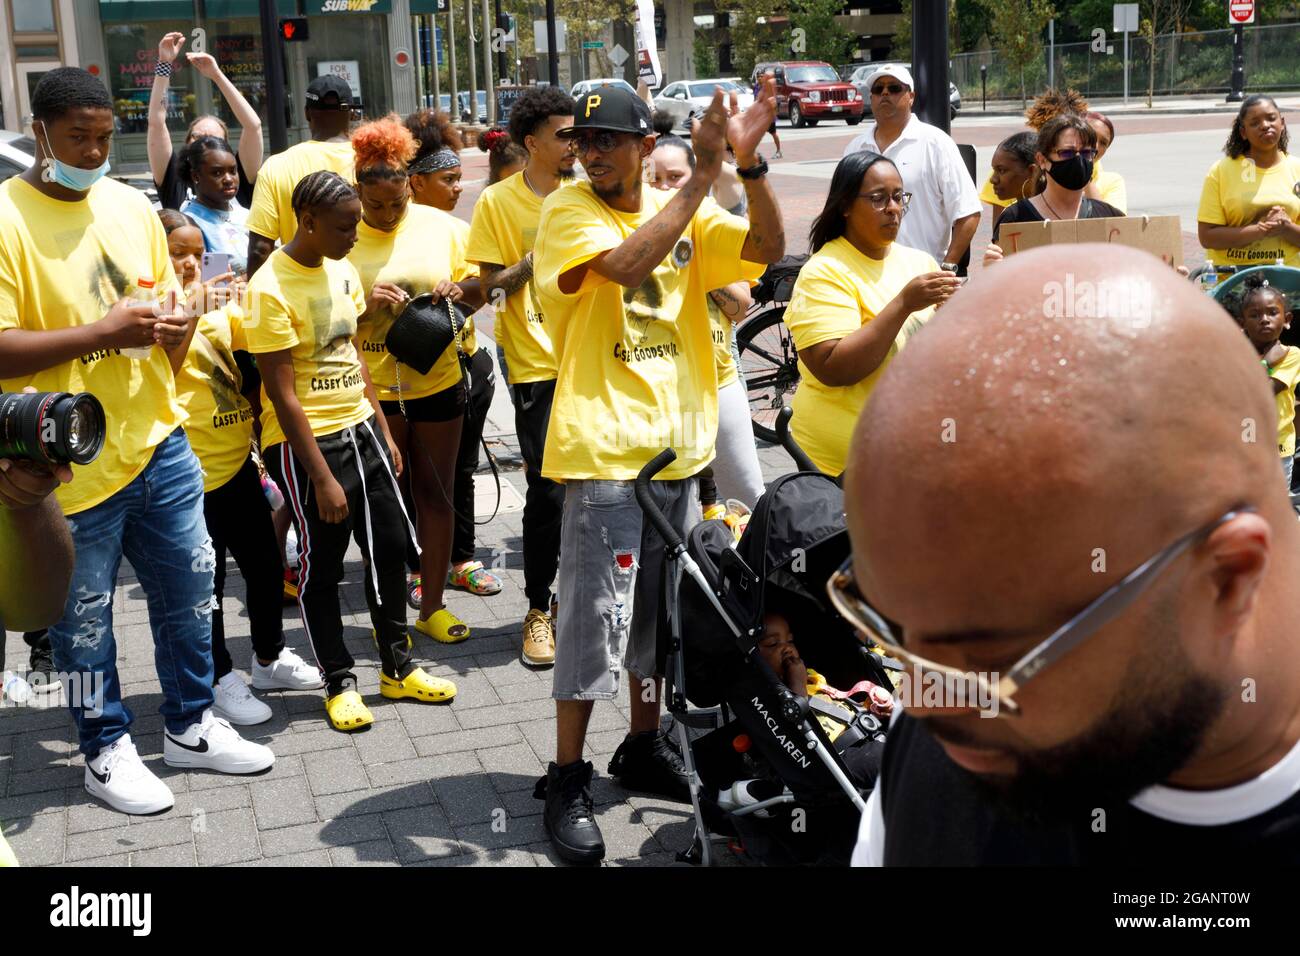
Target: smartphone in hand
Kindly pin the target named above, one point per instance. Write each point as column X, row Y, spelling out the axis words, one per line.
column 214, row 264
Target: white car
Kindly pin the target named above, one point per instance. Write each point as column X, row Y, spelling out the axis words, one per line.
column 18, row 152
column 586, row 86
column 687, row 99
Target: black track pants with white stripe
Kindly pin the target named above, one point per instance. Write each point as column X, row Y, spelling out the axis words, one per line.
column 358, row 459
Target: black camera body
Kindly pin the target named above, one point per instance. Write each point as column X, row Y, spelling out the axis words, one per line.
column 53, row 428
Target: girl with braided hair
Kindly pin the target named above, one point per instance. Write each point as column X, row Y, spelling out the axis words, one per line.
column 404, row 250
column 327, row 444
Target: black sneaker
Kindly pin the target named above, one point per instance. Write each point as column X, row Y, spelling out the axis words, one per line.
column 40, row 666
column 651, row 763
column 569, row 817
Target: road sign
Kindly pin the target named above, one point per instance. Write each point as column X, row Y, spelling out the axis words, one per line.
column 1126, row 18
column 593, row 44
column 1241, row 11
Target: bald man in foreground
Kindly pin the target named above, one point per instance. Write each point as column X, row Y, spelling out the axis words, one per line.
column 1022, row 456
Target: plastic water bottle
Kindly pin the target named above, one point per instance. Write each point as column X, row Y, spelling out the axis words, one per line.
column 15, row 688
column 1210, row 277
column 144, row 295
column 272, row 492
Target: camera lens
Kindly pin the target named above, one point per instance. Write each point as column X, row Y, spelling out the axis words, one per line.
column 51, row 427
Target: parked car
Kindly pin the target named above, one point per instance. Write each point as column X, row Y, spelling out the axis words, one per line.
column 859, row 79
column 686, row 99
column 462, row 102
column 586, row 86
column 808, row 91
column 18, row 153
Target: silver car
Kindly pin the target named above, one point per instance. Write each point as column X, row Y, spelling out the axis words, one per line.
column 586, row 86
column 859, row 79
column 687, row 99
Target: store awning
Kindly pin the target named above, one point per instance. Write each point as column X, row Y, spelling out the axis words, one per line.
column 136, row 11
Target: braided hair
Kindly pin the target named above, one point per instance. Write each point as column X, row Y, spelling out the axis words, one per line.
column 383, row 148
column 1237, row 145
column 191, row 157
column 321, row 188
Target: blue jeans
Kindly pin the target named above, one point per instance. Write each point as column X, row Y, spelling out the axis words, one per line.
column 157, row 522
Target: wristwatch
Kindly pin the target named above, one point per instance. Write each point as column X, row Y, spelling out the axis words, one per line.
column 757, row 171
column 948, row 267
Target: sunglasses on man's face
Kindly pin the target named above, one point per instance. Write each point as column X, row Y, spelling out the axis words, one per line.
column 602, row 140
column 893, row 89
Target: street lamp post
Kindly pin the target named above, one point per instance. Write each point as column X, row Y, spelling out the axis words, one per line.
column 1238, row 91
column 552, row 56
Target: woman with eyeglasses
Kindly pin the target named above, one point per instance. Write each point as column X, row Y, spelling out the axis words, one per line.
column 856, row 302
column 1067, row 149
column 1250, row 203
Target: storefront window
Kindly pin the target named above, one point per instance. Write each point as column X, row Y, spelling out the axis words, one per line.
column 355, row 46
column 132, row 53
column 33, row 16
column 237, row 46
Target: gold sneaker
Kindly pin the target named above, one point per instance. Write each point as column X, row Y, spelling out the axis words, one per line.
column 539, row 639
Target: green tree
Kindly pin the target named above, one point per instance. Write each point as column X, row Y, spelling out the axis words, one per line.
column 1018, row 33
column 821, row 37
column 752, row 41
column 706, row 54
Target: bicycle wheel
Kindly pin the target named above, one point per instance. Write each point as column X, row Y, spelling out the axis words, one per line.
column 769, row 363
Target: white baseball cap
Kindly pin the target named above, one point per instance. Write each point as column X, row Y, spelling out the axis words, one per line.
column 900, row 73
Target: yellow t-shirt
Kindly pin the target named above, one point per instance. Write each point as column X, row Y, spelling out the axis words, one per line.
column 1238, row 193
column 220, row 425
column 314, row 313
column 1112, row 188
column 272, row 212
column 468, row 335
column 837, row 292
column 988, row 195
column 720, row 331
column 1287, row 372
column 504, row 230
column 636, row 366
column 65, row 264
column 423, row 250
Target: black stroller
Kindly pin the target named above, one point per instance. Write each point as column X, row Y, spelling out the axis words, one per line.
column 716, row 592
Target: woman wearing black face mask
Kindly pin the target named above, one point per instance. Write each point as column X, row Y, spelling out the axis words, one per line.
column 1067, row 148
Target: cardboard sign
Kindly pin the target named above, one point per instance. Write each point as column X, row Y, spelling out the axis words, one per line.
column 1162, row 236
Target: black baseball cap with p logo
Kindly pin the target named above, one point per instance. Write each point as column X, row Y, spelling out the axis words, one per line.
column 609, row 107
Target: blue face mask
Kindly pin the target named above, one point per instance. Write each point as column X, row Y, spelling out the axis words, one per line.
column 70, row 177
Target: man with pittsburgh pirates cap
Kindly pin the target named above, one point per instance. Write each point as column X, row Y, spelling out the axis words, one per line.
column 625, row 271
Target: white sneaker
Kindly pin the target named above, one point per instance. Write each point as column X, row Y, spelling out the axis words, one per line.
column 233, row 701
column 287, row 672
column 212, row 744
column 118, row 777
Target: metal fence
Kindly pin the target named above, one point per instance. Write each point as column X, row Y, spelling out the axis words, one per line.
column 1186, row 63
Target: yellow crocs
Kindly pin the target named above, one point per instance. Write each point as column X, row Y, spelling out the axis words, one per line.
column 444, row 627
column 7, row 857
column 417, row 685
column 347, row 711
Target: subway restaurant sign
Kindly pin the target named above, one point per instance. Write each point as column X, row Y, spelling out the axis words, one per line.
column 348, row 6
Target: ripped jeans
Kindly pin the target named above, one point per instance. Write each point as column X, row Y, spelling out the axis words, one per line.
column 610, row 583
column 156, row 522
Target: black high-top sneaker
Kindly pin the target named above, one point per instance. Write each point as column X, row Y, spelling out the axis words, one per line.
column 569, row 818
column 651, row 763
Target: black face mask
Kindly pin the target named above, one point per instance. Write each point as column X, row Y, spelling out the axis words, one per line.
column 1073, row 173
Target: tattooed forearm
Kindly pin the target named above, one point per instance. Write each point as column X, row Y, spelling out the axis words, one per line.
column 727, row 302
column 509, row 280
column 766, row 240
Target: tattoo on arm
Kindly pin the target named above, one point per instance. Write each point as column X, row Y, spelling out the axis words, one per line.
column 725, row 301
column 509, row 280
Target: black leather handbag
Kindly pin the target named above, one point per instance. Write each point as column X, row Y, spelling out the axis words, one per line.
column 423, row 332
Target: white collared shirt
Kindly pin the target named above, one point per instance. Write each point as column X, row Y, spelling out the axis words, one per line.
column 934, row 173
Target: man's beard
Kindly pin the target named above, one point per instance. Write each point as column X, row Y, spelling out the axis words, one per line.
column 565, row 172
column 611, row 192
column 1140, row 742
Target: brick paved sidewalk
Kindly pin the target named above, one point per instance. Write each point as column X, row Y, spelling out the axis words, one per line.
column 427, row 785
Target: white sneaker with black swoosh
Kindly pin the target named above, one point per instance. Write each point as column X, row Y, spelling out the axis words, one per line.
column 118, row 777
column 212, row 744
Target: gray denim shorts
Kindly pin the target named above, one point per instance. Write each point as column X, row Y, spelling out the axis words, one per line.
column 610, row 580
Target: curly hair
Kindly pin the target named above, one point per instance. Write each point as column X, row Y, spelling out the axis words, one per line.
column 662, row 123
column 191, row 157
column 68, row 88
column 433, row 130
column 321, row 188
column 503, row 152
column 1237, row 145
column 1053, row 103
column 1257, row 284
column 383, row 147
column 534, row 107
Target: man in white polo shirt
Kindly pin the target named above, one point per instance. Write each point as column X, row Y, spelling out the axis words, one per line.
column 945, row 209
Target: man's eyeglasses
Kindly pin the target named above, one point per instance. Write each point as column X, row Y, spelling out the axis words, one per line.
column 854, row 608
column 602, row 140
column 881, row 200
column 1069, row 154
column 893, row 89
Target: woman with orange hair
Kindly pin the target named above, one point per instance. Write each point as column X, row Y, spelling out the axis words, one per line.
column 404, row 250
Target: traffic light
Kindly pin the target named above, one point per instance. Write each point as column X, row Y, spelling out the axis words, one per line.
column 294, row 29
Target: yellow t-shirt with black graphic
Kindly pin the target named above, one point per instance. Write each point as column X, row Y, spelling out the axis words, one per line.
column 1287, row 372
column 838, row 291
column 63, row 265
column 422, row 251
column 1238, row 193
column 636, row 368
column 720, row 332
column 220, row 425
column 313, row 312
column 271, row 214
column 504, row 230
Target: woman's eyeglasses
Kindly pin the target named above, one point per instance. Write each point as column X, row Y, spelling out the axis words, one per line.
column 1069, row 154
column 893, row 89
column 602, row 140
column 880, row 200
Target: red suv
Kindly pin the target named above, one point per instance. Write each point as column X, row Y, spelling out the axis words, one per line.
column 808, row 91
